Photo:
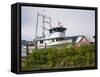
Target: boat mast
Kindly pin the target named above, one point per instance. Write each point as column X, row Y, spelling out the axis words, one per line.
column 36, row 32
column 43, row 27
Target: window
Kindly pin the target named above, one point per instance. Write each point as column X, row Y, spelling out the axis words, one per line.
column 41, row 41
column 57, row 39
column 52, row 40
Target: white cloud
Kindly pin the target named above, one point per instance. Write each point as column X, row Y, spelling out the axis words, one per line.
column 77, row 22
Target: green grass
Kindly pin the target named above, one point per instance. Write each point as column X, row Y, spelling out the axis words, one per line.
column 61, row 57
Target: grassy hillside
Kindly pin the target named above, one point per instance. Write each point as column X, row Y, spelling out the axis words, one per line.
column 61, row 57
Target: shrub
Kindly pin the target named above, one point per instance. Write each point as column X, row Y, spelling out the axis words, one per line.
column 61, row 57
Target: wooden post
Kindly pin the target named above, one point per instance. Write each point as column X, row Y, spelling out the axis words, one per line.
column 45, row 45
column 27, row 50
column 36, row 45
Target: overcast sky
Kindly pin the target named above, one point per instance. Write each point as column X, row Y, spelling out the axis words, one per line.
column 77, row 22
